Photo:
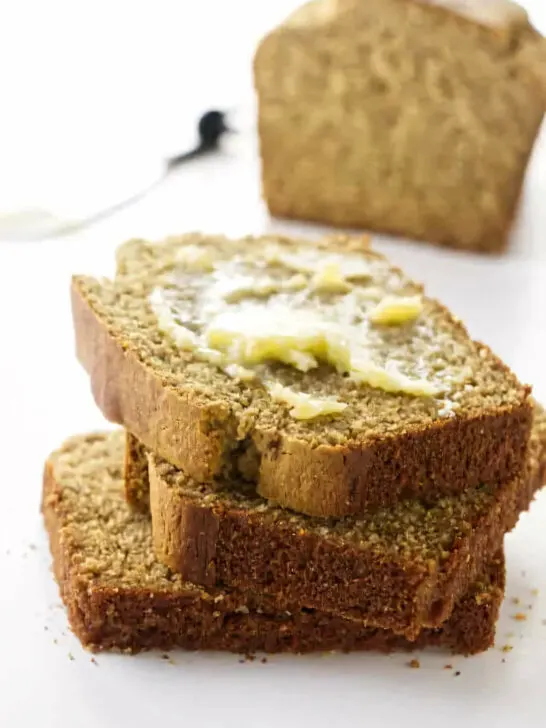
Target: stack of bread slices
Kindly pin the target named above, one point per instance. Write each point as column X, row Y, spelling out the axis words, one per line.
column 314, row 456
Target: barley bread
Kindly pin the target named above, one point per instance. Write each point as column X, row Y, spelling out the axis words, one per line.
column 400, row 568
column 218, row 426
column 118, row 596
column 410, row 117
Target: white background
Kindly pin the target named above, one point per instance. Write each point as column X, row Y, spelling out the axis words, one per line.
column 94, row 95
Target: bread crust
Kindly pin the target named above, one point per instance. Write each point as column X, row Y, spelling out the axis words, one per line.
column 116, row 617
column 212, row 541
column 129, row 393
column 422, row 463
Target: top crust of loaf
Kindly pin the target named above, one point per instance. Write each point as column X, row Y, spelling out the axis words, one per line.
column 502, row 26
column 384, row 447
column 495, row 14
column 492, row 13
column 366, row 83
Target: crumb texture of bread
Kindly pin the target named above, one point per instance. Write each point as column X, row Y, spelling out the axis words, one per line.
column 400, row 568
column 383, row 447
column 135, row 475
column 119, row 597
column 410, row 117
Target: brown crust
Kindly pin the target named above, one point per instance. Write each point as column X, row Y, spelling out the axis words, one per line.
column 249, row 551
column 120, row 618
column 447, row 456
column 164, row 420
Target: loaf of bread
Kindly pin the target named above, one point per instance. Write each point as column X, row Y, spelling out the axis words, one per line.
column 401, row 568
column 118, row 596
column 317, row 371
column 410, row 117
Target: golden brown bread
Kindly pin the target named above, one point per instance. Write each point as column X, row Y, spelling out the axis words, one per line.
column 400, row 568
column 118, row 596
column 383, row 447
column 401, row 116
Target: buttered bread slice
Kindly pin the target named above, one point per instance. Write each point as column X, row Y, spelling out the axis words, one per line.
column 316, row 370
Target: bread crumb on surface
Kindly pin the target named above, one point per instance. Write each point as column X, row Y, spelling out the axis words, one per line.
column 515, row 600
column 414, row 663
column 457, row 673
column 507, row 648
column 71, row 656
column 448, row 667
column 249, row 658
column 519, row 617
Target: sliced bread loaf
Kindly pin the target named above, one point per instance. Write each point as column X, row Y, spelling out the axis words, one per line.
column 400, row 568
column 411, row 117
column 118, row 596
column 316, row 370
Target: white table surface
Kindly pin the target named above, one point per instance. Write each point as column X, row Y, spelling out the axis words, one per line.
column 44, row 397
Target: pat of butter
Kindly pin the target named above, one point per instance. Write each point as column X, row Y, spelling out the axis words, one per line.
column 183, row 337
column 295, row 283
column 305, row 406
column 397, row 310
column 238, row 372
column 255, row 335
column 195, row 258
column 245, row 315
column 330, row 279
column 262, row 288
column 390, row 380
column 210, row 355
column 351, row 267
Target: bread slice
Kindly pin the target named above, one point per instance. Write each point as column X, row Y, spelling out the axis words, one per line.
column 372, row 115
column 401, row 568
column 219, row 425
column 118, row 596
